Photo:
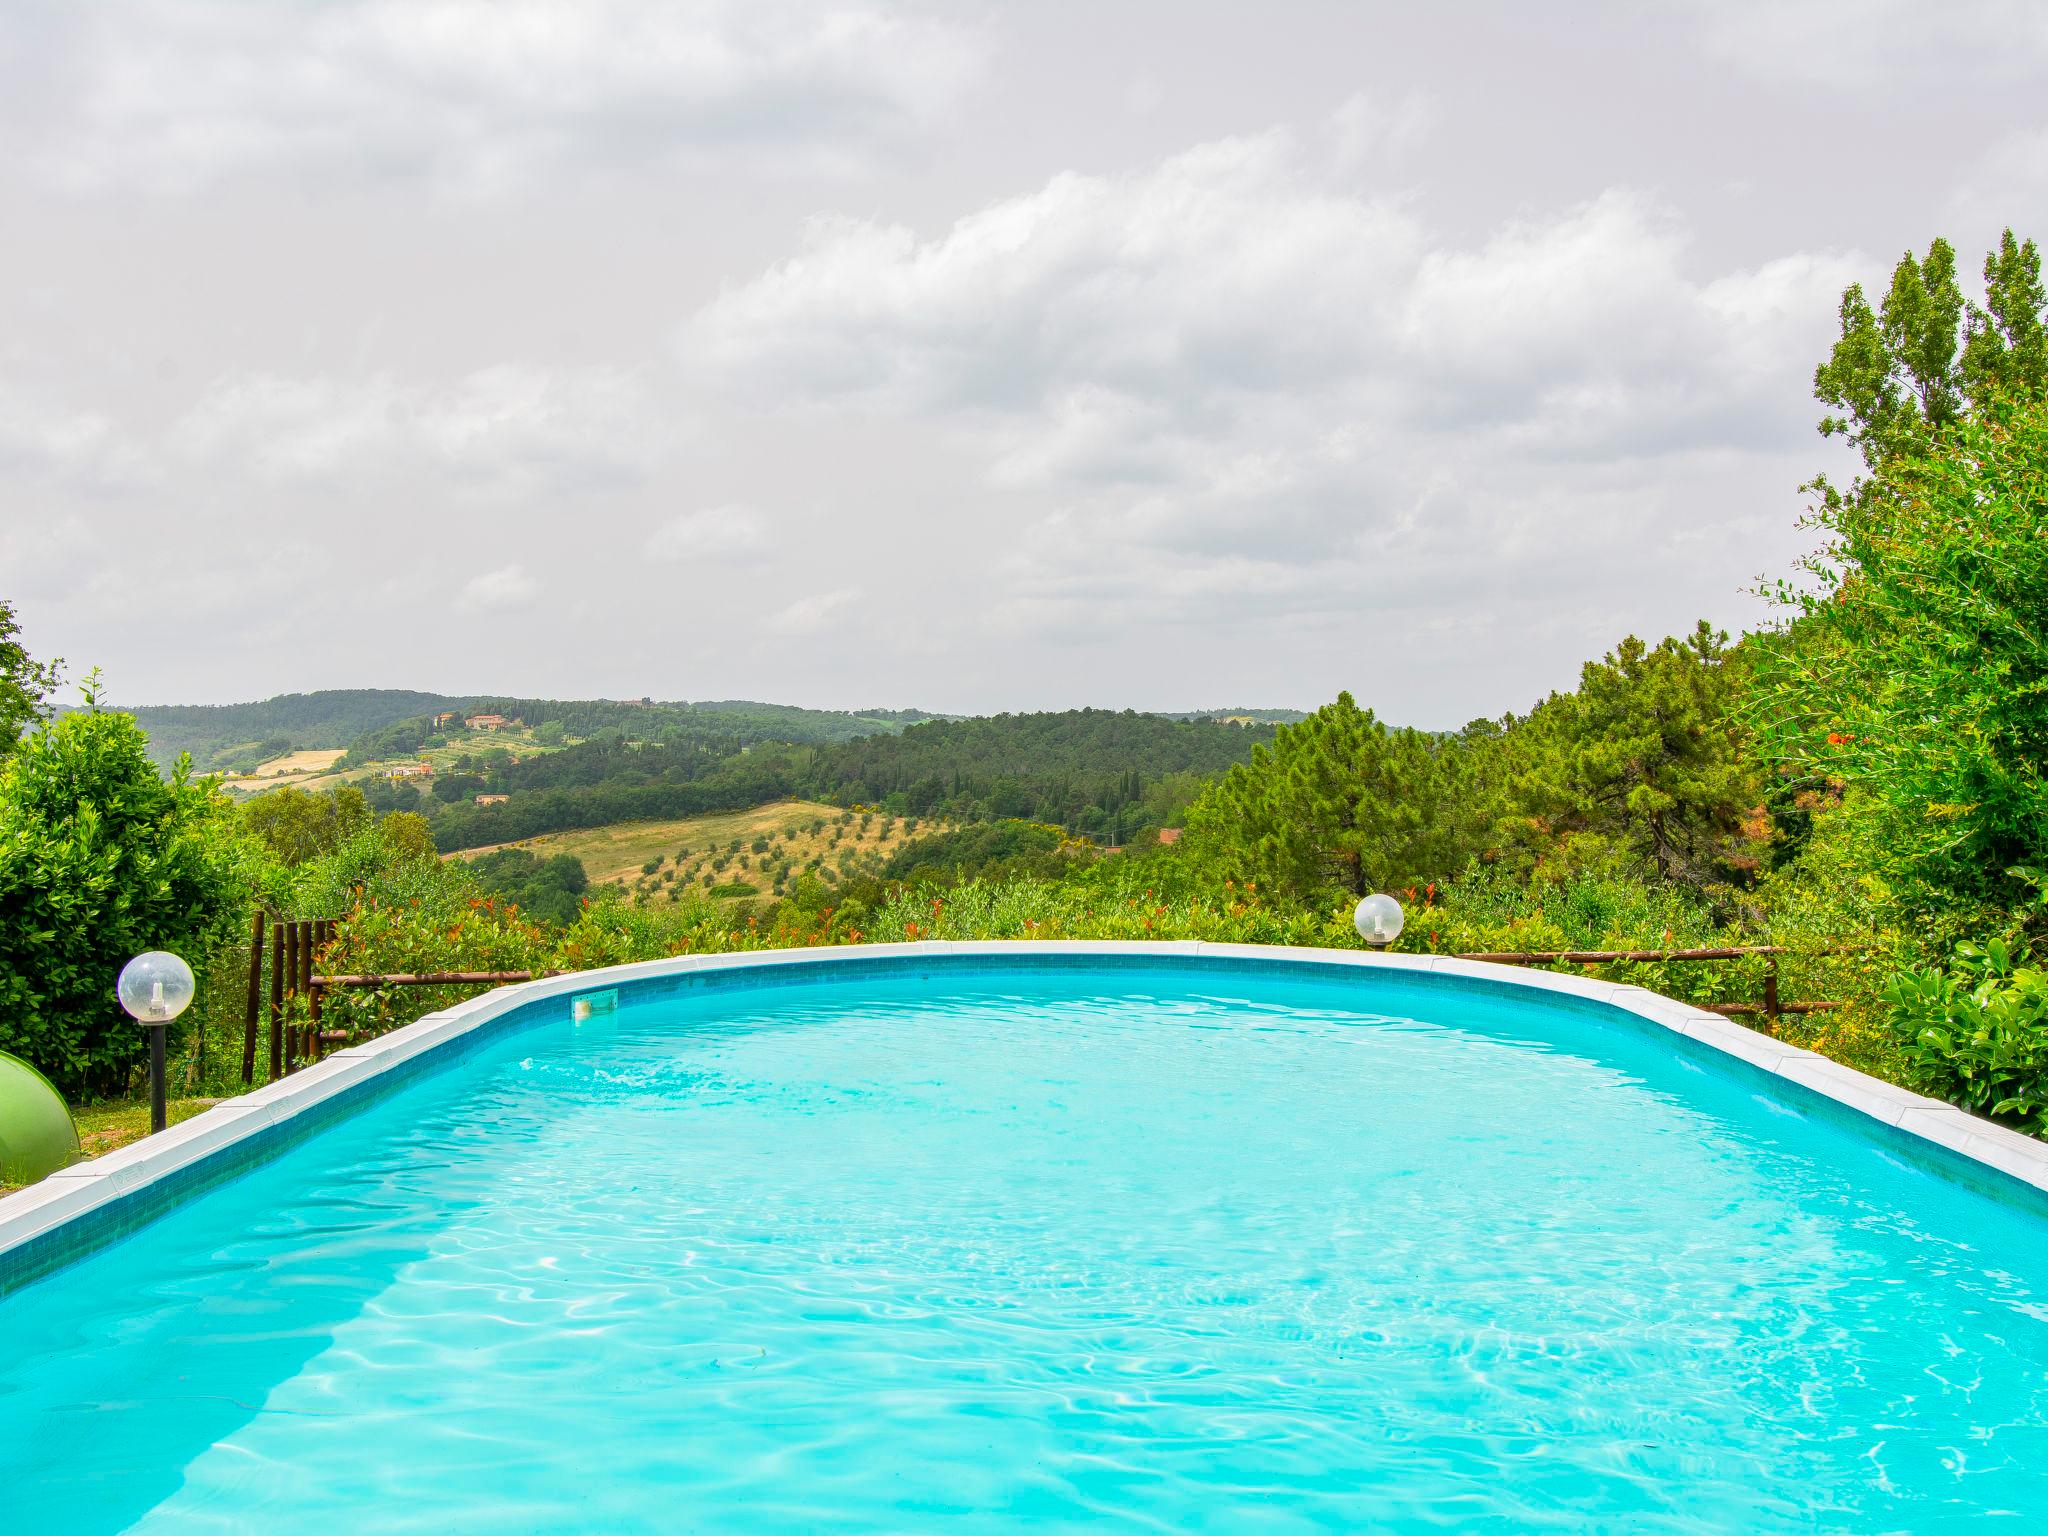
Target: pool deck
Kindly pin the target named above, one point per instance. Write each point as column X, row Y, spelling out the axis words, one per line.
column 82, row 1208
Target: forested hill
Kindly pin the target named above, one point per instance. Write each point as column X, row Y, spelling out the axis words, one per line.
column 721, row 725
column 379, row 723
column 1240, row 716
column 1094, row 772
column 222, row 735
column 1102, row 772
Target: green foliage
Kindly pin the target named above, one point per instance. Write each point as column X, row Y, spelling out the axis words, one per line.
column 1086, row 770
column 1107, row 903
column 717, row 728
column 300, row 825
column 1648, row 754
column 25, row 683
column 1979, row 1035
column 450, row 788
column 1924, row 356
column 1337, row 804
column 985, row 850
column 101, row 859
column 1917, row 672
column 218, row 736
column 417, row 917
column 738, row 784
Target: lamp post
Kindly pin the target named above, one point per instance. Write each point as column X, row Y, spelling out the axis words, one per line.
column 1378, row 920
column 155, row 988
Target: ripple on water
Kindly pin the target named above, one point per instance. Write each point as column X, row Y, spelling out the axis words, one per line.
column 892, row 1258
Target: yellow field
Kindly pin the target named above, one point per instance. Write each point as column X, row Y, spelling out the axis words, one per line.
column 699, row 852
column 316, row 770
column 293, row 767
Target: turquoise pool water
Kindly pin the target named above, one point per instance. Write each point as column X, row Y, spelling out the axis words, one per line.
column 1176, row 1251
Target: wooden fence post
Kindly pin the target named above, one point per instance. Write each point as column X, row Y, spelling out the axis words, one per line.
column 1771, row 993
column 255, row 998
column 291, row 991
column 311, row 1031
column 323, row 935
column 276, row 1001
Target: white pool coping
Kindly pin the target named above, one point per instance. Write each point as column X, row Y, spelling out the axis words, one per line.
column 76, row 1192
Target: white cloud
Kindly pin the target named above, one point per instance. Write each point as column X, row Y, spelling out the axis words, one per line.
column 810, row 615
column 499, row 431
column 167, row 95
column 713, row 534
column 43, row 440
column 1230, row 261
column 1229, row 380
column 507, row 587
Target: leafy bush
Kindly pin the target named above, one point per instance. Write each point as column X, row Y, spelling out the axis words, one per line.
column 423, row 917
column 1978, row 1037
column 101, row 859
column 1918, row 670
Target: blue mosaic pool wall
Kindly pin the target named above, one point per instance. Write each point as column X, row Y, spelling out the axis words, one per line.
column 127, row 1214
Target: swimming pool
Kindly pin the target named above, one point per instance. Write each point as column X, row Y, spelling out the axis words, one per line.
column 1168, row 1245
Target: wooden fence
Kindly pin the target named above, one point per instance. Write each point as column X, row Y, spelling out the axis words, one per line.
column 287, row 976
column 1770, row 1006
column 295, row 943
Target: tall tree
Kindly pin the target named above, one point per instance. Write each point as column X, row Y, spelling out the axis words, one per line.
column 25, row 683
column 1916, row 362
column 1338, row 802
column 1917, row 672
column 1647, row 755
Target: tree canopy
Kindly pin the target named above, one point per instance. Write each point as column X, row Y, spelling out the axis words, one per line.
column 25, row 683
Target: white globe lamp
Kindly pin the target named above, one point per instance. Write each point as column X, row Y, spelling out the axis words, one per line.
column 1378, row 920
column 155, row 988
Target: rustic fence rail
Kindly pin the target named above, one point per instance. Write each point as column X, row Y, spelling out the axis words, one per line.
column 286, row 990
column 295, row 943
column 1771, row 1007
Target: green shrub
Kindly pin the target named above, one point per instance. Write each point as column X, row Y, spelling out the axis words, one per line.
column 1978, row 1036
column 1917, row 673
column 101, row 859
column 735, row 888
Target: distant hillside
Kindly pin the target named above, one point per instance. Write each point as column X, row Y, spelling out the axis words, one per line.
column 1104, row 774
column 1108, row 774
column 719, row 725
column 383, row 722
column 237, row 736
column 1236, row 716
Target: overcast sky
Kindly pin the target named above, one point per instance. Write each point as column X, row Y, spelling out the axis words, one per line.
column 973, row 357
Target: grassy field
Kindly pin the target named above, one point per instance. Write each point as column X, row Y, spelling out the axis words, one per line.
column 317, row 771
column 718, row 853
column 292, row 768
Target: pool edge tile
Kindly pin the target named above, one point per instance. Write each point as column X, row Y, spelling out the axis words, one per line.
column 75, row 1212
